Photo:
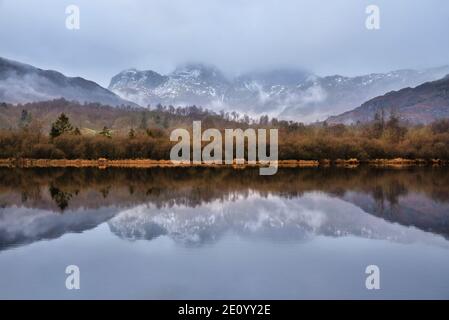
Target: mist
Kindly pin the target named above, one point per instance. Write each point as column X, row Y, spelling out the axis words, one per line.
column 325, row 37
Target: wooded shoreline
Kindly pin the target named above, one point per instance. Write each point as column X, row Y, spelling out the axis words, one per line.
column 35, row 131
column 149, row 163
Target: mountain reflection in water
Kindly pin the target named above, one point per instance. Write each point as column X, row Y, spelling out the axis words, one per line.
column 199, row 205
column 208, row 233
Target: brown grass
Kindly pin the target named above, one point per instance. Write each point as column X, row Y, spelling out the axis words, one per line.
column 149, row 163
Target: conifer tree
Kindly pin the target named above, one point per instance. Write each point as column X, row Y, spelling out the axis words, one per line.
column 60, row 126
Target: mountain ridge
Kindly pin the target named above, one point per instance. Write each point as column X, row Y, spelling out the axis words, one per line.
column 424, row 103
column 288, row 94
column 22, row 83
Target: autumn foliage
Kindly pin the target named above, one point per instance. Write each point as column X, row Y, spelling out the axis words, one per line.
column 61, row 129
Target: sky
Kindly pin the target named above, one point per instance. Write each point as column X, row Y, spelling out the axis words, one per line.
column 326, row 37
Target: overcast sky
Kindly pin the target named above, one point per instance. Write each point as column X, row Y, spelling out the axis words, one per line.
column 326, row 37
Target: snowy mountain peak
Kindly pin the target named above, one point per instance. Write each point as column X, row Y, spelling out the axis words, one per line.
column 137, row 78
column 289, row 94
column 199, row 72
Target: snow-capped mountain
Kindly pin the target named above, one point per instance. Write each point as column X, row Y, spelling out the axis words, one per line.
column 186, row 85
column 286, row 94
column 22, row 83
column 275, row 218
column 254, row 216
column 193, row 212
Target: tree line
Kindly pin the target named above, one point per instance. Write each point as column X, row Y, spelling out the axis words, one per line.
column 61, row 129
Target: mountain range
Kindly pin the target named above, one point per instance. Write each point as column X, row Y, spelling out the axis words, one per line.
column 423, row 104
column 296, row 218
column 287, row 94
column 22, row 83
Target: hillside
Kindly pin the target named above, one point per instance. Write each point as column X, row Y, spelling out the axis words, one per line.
column 93, row 117
column 21, row 83
column 423, row 104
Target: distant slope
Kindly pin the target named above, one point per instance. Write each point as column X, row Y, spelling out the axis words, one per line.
column 422, row 104
column 287, row 93
column 21, row 83
column 90, row 118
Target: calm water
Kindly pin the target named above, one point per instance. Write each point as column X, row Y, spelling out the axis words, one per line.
column 222, row 233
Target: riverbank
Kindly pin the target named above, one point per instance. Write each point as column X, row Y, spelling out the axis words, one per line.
column 149, row 163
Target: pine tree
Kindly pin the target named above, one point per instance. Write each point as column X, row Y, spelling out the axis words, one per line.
column 61, row 126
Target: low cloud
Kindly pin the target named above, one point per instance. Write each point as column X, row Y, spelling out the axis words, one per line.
column 326, row 37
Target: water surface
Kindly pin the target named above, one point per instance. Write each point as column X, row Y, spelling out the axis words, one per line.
column 185, row 233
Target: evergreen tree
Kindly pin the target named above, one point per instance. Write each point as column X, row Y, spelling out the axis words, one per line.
column 61, row 126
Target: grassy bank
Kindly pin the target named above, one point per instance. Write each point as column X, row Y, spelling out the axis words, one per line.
column 149, row 163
